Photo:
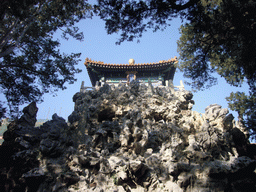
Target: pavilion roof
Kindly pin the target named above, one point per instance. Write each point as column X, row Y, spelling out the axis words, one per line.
column 96, row 67
column 100, row 64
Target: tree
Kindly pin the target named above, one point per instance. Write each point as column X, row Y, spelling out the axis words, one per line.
column 133, row 18
column 218, row 36
column 2, row 112
column 221, row 37
column 30, row 62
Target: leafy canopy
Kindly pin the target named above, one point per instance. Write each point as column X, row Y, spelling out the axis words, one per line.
column 133, row 17
column 221, row 37
column 30, row 62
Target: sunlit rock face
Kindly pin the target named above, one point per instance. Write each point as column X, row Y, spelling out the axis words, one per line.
column 130, row 138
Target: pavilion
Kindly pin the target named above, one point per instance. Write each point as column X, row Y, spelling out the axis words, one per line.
column 160, row 73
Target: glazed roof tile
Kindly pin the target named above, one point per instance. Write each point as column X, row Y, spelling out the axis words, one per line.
column 139, row 65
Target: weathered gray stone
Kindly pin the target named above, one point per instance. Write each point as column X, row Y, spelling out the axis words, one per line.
column 131, row 138
column 30, row 114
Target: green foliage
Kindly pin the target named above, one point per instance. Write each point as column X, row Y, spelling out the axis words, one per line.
column 30, row 62
column 115, row 180
column 133, row 18
column 245, row 106
column 2, row 111
column 238, row 102
column 221, row 37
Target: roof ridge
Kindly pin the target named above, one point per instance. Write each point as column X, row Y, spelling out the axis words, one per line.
column 87, row 61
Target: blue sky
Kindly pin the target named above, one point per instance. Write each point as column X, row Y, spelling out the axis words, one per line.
column 99, row 46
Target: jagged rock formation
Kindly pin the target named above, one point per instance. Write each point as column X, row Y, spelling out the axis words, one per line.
column 129, row 138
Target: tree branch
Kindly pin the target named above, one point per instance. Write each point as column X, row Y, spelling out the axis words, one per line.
column 182, row 7
column 9, row 34
column 19, row 66
column 17, row 42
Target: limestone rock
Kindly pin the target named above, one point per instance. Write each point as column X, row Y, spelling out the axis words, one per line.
column 129, row 138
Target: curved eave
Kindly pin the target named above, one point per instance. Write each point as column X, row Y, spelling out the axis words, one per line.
column 130, row 67
column 108, row 65
column 95, row 68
